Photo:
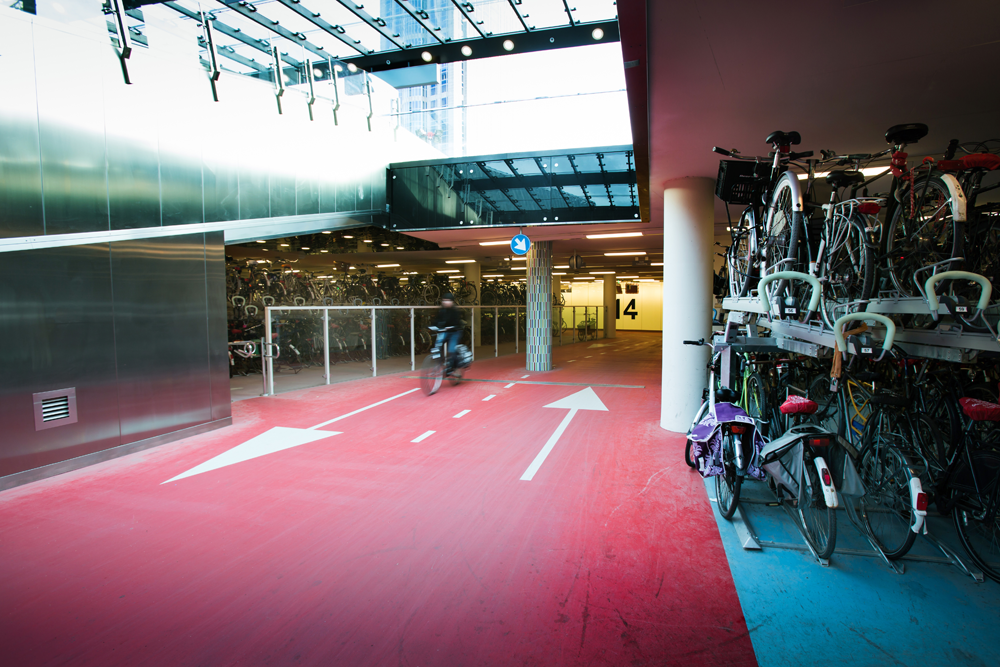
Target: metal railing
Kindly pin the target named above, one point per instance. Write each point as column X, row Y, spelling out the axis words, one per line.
column 379, row 333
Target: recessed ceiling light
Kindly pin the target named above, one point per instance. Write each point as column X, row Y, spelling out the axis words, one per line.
column 620, row 235
column 597, row 34
column 656, row 264
column 466, row 50
column 518, row 268
column 385, row 266
column 460, row 261
column 284, row 245
column 508, row 45
column 561, row 266
column 426, row 56
column 261, row 241
column 348, row 236
column 627, row 277
column 488, row 242
column 601, row 273
column 622, row 254
column 305, row 247
column 328, row 233
column 324, row 251
column 368, row 241
column 584, row 278
column 558, row 273
column 448, row 271
column 352, row 267
column 492, row 275
column 519, row 259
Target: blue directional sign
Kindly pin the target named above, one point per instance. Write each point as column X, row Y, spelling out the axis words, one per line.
column 520, row 244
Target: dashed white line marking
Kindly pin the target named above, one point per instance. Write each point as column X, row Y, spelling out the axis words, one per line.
column 508, row 386
column 524, row 376
column 462, row 414
column 423, row 437
column 367, row 407
column 489, row 397
column 602, row 353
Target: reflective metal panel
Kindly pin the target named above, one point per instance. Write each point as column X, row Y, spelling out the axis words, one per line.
column 20, row 174
column 71, row 130
column 282, row 188
column 161, row 329
column 218, row 350
column 56, row 332
column 306, row 195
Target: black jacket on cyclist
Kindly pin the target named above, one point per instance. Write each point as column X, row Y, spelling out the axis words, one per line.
column 448, row 317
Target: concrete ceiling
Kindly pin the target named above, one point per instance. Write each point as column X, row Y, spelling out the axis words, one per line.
column 728, row 72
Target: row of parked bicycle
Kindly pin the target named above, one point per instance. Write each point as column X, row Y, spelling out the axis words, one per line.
column 934, row 217
column 885, row 439
column 280, row 284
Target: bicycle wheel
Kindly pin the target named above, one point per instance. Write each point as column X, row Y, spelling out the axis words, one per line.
column 755, row 397
column 819, row 522
column 727, row 485
column 847, row 268
column 431, row 375
column 739, row 257
column 781, row 238
column 975, row 492
column 687, row 455
column 922, row 234
column 885, row 472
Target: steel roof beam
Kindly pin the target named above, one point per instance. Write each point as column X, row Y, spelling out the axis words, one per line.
column 559, row 189
column 513, row 6
column 235, row 33
column 503, row 191
column 246, row 9
column 334, row 30
column 463, row 7
column 374, row 22
column 229, row 52
column 423, row 18
column 569, row 13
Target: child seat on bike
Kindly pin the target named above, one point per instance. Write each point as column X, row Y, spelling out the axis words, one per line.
column 980, row 411
column 798, row 405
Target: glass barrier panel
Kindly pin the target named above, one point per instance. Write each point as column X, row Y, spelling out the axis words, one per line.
column 392, row 340
column 298, row 335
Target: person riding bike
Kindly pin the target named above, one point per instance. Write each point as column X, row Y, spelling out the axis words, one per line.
column 449, row 320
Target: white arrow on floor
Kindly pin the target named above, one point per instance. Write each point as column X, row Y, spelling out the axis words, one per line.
column 581, row 400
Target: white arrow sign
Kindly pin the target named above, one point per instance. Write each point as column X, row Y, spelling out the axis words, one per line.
column 520, row 246
column 581, row 400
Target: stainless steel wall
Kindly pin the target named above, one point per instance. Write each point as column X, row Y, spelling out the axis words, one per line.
column 82, row 151
column 137, row 327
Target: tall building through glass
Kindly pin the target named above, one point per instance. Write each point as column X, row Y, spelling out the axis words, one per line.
column 436, row 113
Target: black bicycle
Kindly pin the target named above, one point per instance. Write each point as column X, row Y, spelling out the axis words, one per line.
column 443, row 363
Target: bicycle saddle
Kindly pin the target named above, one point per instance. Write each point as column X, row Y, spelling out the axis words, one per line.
column 910, row 133
column 838, row 179
column 726, row 395
column 779, row 138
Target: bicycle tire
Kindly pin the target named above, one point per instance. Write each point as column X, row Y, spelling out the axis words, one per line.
column 819, row 522
column 431, row 375
column 975, row 496
column 727, row 485
column 932, row 236
column 784, row 225
column 755, row 397
column 687, row 455
column 739, row 257
column 847, row 269
column 885, row 471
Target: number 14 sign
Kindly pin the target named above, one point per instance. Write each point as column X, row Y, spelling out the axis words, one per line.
column 630, row 309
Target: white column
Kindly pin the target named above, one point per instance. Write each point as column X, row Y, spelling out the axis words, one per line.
column 688, row 220
column 610, row 296
column 473, row 273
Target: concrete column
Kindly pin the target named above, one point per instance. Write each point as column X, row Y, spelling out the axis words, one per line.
column 539, row 348
column 610, row 296
column 473, row 273
column 688, row 219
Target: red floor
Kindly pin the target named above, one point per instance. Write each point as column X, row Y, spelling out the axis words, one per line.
column 367, row 549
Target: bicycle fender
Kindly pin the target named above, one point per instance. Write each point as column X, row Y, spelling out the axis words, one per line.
column 829, row 490
column 919, row 516
column 957, row 195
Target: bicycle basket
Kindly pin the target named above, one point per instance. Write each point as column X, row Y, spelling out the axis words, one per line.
column 739, row 182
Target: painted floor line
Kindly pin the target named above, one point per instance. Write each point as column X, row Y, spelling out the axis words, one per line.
column 588, row 356
column 508, row 386
column 462, row 414
column 367, row 407
column 489, row 397
column 554, row 384
column 423, row 436
column 524, row 376
column 571, row 361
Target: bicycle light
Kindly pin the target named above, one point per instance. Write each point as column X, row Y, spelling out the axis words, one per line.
column 827, row 478
column 869, row 208
column 921, row 502
column 738, row 429
column 818, row 442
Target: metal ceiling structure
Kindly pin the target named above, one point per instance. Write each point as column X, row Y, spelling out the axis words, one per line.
column 392, row 34
column 549, row 187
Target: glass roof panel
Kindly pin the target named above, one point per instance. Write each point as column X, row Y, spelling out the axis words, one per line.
column 587, row 11
column 526, row 167
column 335, row 13
column 540, row 14
column 445, row 15
column 496, row 17
column 404, row 25
column 616, row 162
column 297, row 24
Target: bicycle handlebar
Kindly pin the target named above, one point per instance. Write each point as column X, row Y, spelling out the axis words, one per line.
column 721, row 151
column 817, row 289
column 700, row 341
column 986, row 289
column 890, row 329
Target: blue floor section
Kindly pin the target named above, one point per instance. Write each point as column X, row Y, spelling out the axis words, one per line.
column 856, row 611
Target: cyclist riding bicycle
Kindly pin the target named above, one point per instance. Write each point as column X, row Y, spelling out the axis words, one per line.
column 449, row 321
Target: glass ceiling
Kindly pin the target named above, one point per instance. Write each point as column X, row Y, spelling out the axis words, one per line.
column 346, row 28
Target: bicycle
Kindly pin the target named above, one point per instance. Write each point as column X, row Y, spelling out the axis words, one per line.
column 442, row 363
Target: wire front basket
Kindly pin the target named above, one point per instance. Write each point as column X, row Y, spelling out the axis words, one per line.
column 739, row 182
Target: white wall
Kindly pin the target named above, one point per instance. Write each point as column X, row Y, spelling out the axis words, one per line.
column 648, row 308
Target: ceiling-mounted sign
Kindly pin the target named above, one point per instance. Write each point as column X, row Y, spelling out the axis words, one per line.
column 520, row 244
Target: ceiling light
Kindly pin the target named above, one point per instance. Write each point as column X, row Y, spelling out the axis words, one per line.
column 306, row 247
column 448, row 271
column 385, row 245
column 351, row 67
column 348, row 236
column 601, row 273
column 622, row 254
column 558, row 273
column 620, row 235
column 519, row 259
column 867, row 171
column 647, row 280
column 262, row 261
column 494, row 242
column 561, row 266
column 367, row 240
column 399, row 247
column 492, row 275
column 328, row 232
column 426, row 56
column 352, row 267
column 508, row 45
column 657, row 264
column 284, row 245
column 627, row 277
column 584, row 278
column 460, row 261
column 466, row 50
column 324, row 251
column 265, row 249
column 261, row 241
column 385, row 266
column 597, row 34
column 518, row 268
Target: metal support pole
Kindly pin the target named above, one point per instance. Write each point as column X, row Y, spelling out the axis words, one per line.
column 413, row 348
column 496, row 332
column 374, row 355
column 517, row 330
column 573, row 340
column 586, row 323
column 269, row 357
column 472, row 343
column 263, row 364
column 326, row 343
column 562, row 309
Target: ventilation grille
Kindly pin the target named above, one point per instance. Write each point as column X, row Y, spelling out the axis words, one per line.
column 54, row 408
